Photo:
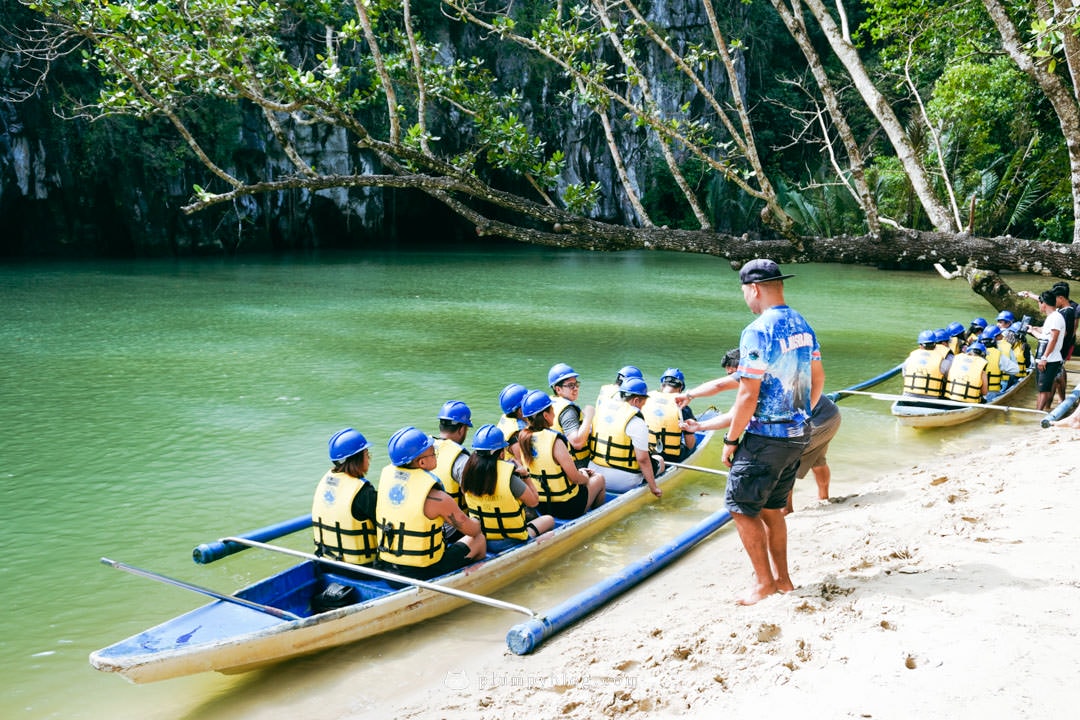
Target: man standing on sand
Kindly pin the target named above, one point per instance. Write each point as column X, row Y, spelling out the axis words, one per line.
column 780, row 380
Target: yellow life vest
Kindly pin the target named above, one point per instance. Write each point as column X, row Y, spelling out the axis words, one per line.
column 551, row 481
column 446, row 453
column 965, row 379
column 1022, row 352
column 994, row 375
column 662, row 416
column 510, row 427
column 558, row 404
column 501, row 514
column 922, row 373
column 406, row 535
column 611, row 446
column 954, row 345
column 338, row 534
column 607, row 392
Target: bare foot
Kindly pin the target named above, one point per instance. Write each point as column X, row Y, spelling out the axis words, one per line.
column 756, row 594
column 784, row 587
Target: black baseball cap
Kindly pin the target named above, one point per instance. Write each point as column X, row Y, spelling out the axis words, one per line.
column 761, row 270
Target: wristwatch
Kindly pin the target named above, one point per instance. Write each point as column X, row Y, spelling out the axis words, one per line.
column 728, row 441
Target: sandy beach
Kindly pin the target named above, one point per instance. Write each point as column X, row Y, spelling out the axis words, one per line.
column 944, row 590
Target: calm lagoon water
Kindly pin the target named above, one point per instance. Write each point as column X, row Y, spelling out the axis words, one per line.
column 146, row 407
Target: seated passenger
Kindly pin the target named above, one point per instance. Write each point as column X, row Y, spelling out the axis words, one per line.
column 573, row 422
column 975, row 329
column 511, row 422
column 455, row 419
column 566, row 491
column 967, row 380
column 956, row 343
column 1001, row 366
column 412, row 510
column 620, row 442
column 924, row 370
column 498, row 498
column 343, row 511
column 664, row 417
column 611, row 390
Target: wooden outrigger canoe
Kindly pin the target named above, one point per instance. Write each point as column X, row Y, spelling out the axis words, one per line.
column 229, row 637
column 930, row 413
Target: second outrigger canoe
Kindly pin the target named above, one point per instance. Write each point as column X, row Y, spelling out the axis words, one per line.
column 929, row 413
column 229, row 637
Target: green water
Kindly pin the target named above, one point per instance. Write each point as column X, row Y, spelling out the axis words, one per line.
column 146, row 407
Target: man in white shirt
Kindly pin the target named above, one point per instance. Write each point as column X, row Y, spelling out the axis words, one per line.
column 1048, row 356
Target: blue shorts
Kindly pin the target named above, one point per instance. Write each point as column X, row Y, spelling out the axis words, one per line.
column 762, row 473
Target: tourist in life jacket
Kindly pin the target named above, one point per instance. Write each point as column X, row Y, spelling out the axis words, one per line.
column 1001, row 365
column 574, row 422
column 497, row 497
column 511, row 422
column 620, row 442
column 611, row 390
column 1006, row 322
column 925, row 368
column 967, row 381
column 664, row 418
column 343, row 511
column 975, row 329
column 566, row 491
column 455, row 419
column 413, row 509
column 956, row 343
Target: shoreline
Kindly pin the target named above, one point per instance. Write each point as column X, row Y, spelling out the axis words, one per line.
column 945, row 589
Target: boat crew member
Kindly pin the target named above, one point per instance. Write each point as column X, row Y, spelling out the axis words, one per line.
column 1001, row 366
column 1048, row 357
column 511, row 422
column 966, row 381
column 620, row 442
column 343, row 511
column 494, row 494
column 664, row 418
column 925, row 369
column 413, row 508
column 1067, row 308
column 611, row 390
column 566, row 491
column 455, row 419
column 571, row 420
column 780, row 381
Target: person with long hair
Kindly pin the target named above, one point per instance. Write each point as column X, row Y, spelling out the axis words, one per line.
column 565, row 490
column 492, row 493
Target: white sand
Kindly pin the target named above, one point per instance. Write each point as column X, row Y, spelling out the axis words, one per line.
column 939, row 591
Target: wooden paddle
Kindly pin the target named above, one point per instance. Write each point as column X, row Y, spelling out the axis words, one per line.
column 383, row 575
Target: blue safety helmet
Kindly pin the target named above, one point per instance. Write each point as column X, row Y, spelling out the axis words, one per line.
column 927, row 336
column 990, row 335
column 941, row 335
column 536, row 401
column 977, row 348
column 560, row 372
column 634, row 386
column 954, row 329
column 979, row 323
column 346, row 443
column 628, row 371
column 1006, row 315
column 407, row 444
column 456, row 411
column 488, row 437
column 673, row 376
column 511, row 396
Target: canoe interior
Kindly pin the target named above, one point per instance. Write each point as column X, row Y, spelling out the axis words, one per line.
column 927, row 413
